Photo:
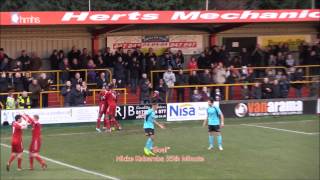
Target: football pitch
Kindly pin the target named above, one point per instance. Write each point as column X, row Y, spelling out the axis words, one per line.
column 285, row 147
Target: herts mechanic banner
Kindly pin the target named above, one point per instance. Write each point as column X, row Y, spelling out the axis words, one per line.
column 81, row 114
column 189, row 44
column 157, row 17
column 187, row 111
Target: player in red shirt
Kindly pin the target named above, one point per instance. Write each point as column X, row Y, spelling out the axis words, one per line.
column 111, row 97
column 102, row 109
column 35, row 144
column 16, row 142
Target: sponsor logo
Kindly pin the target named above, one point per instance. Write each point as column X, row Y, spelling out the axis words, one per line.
column 187, row 111
column 16, row 18
column 182, row 110
column 262, row 108
column 241, row 110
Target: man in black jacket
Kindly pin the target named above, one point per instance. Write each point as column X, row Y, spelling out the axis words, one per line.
column 181, row 79
column 66, row 93
column 78, row 96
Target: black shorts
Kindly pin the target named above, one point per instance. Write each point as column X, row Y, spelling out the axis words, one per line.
column 149, row 131
column 214, row 128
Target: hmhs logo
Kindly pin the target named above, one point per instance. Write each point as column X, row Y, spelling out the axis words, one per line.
column 16, row 18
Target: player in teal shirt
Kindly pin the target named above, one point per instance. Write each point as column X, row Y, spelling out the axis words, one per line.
column 148, row 126
column 215, row 121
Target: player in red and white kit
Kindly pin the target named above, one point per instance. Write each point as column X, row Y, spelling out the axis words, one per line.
column 35, row 144
column 111, row 97
column 102, row 109
column 16, row 142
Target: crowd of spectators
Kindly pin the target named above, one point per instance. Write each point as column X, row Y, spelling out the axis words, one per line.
column 132, row 69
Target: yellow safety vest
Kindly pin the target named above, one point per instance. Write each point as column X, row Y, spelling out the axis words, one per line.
column 10, row 103
column 21, row 101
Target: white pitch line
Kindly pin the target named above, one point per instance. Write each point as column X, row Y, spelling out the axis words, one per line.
column 286, row 122
column 286, row 130
column 71, row 166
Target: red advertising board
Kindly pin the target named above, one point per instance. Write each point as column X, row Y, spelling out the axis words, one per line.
column 157, row 17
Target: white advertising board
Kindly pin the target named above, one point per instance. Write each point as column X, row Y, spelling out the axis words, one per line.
column 187, row 111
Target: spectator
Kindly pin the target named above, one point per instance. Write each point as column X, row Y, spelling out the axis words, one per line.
column 266, row 89
column 75, row 65
column 35, row 90
column 204, row 61
column 162, row 88
column 193, row 80
column 156, row 97
column 192, row 64
column 108, row 58
column 35, row 62
column 298, row 76
column 44, row 83
column 54, row 60
column 284, row 86
column 15, row 65
column 100, row 63
column 290, row 62
column 232, row 77
column 181, row 80
column 78, row 95
column 245, row 57
column 61, row 56
column 205, row 94
column 169, row 78
column 281, row 61
column 272, row 61
column 119, row 69
column 4, row 65
column 66, row 93
column 276, row 89
column 91, row 73
column 10, row 102
column 236, row 62
column 84, row 57
column 219, row 74
column 65, row 67
column 179, row 55
column 27, row 80
column 216, row 94
column 18, row 82
column 167, row 61
column 134, row 74
column 256, row 91
column 3, row 55
column 206, row 77
column 76, row 80
column 102, row 80
column 145, row 88
column 196, row 97
column 314, row 87
column 25, row 60
column 245, row 92
column 4, row 86
column 74, row 53
column 24, row 101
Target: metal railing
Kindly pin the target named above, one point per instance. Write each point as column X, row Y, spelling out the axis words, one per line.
column 227, row 86
column 305, row 67
column 58, row 73
column 60, row 97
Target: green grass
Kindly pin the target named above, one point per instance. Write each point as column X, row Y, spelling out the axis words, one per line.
column 249, row 152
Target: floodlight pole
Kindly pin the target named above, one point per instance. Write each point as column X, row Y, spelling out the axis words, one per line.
column 313, row 4
column 89, row 6
column 207, row 5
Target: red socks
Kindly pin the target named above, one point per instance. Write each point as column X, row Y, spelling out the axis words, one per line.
column 41, row 161
column 98, row 122
column 12, row 157
column 19, row 162
column 31, row 162
column 106, row 123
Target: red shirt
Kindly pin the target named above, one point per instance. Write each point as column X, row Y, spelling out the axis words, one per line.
column 111, row 98
column 192, row 65
column 102, row 97
column 16, row 133
column 36, row 127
